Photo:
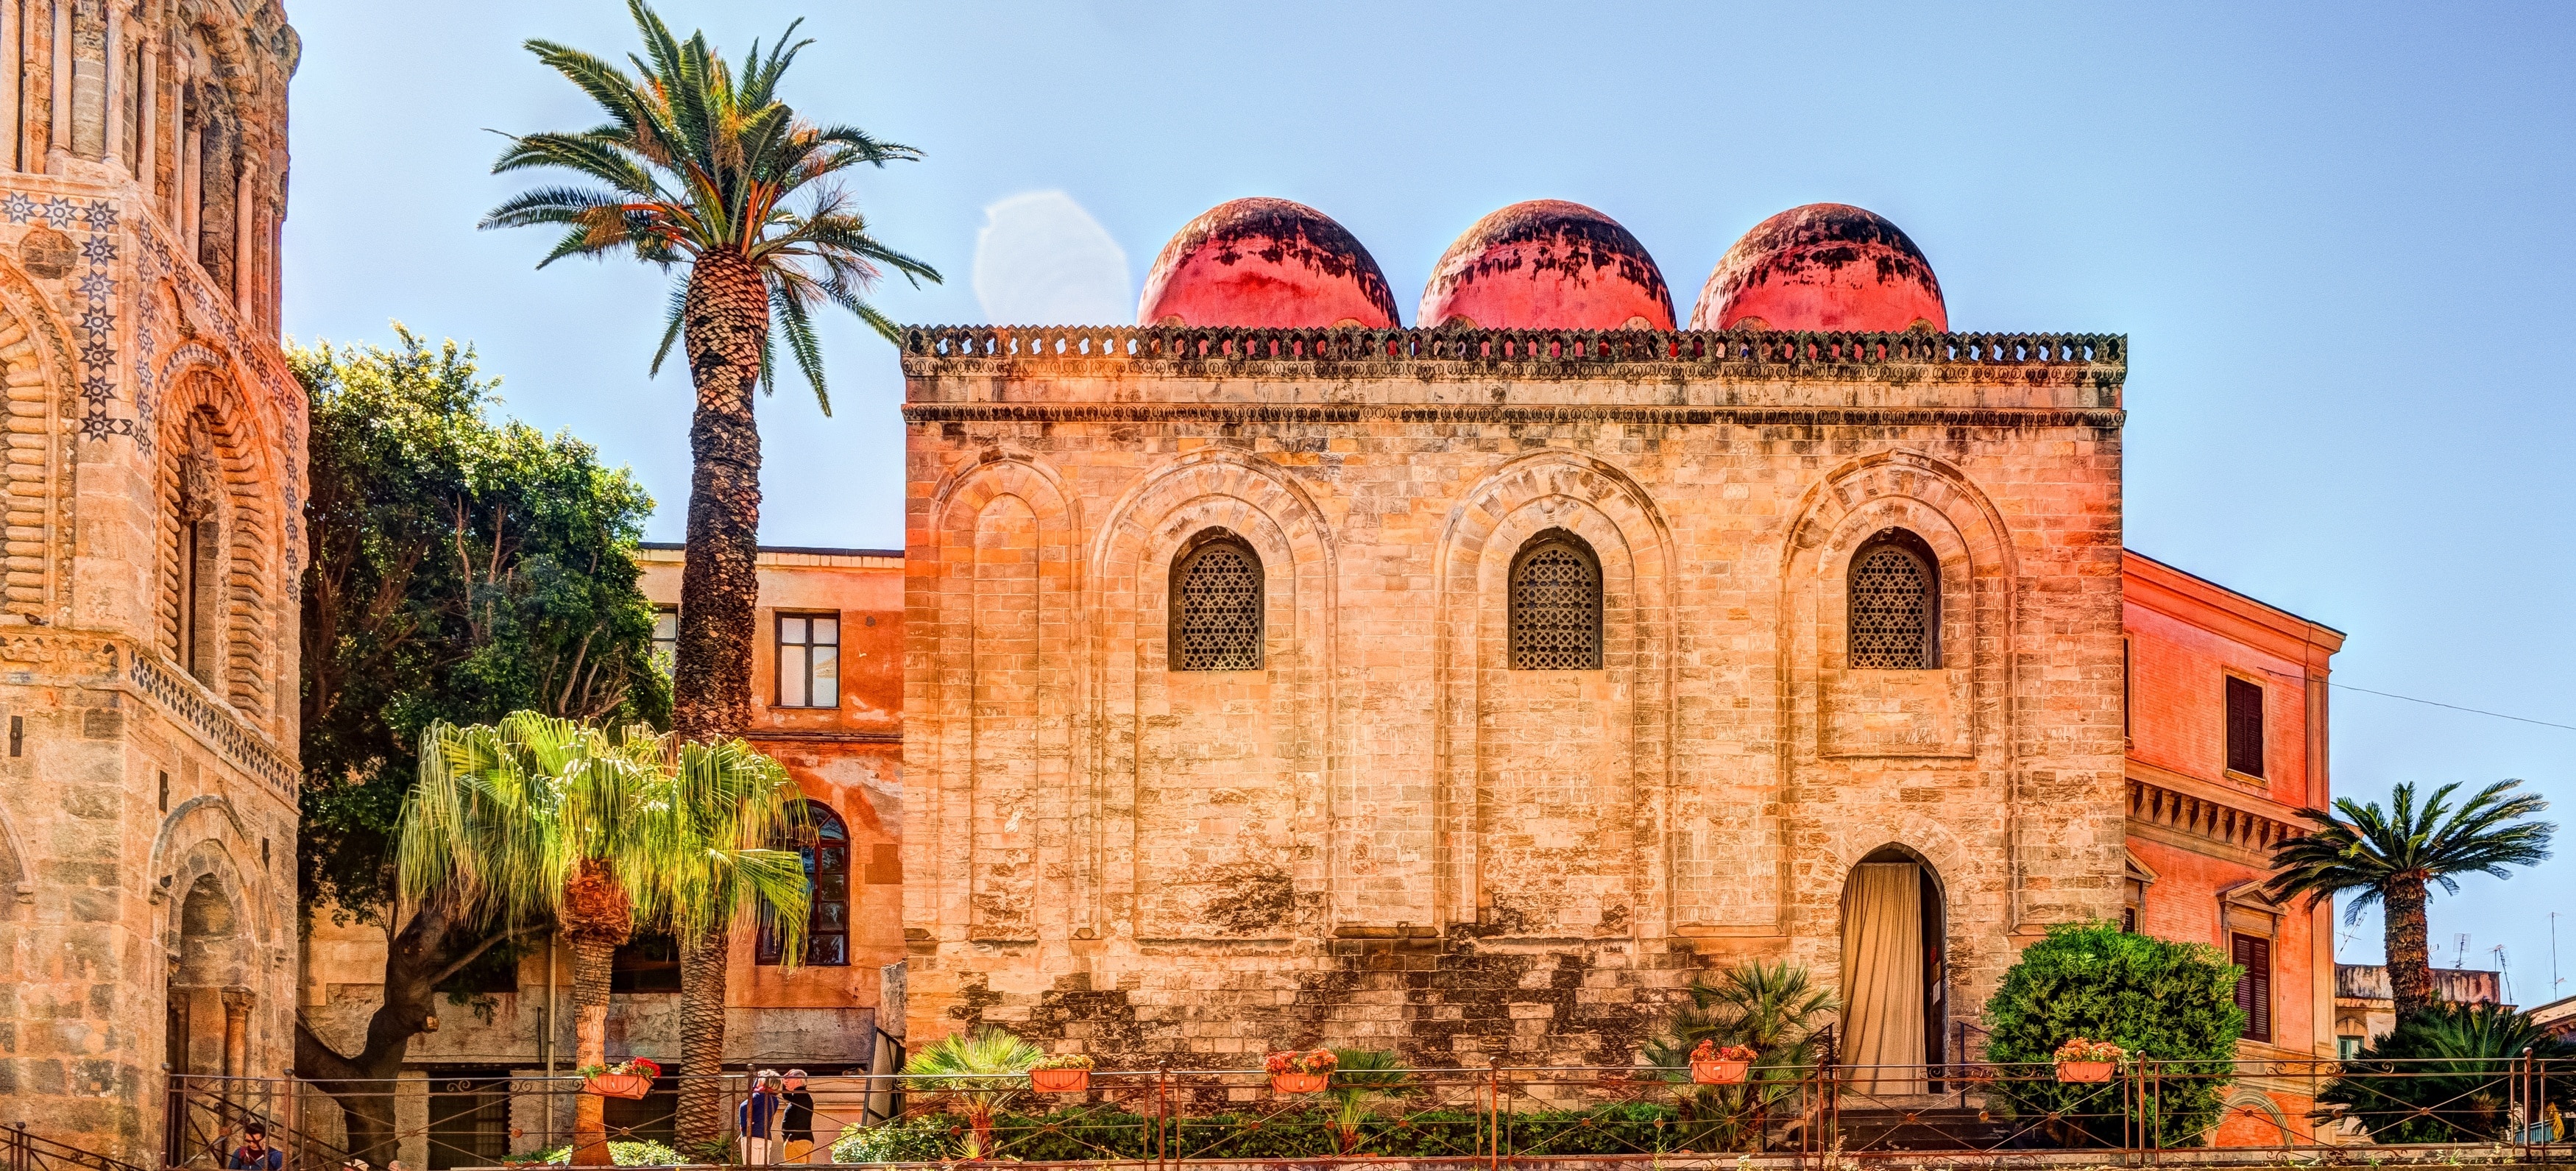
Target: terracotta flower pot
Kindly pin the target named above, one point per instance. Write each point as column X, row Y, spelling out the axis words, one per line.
column 1059, row 1081
column 1720, row 1072
column 2084, row 1071
column 1297, row 1083
column 617, row 1085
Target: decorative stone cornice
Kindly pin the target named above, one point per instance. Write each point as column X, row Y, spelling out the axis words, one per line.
column 2102, row 418
column 2206, row 820
column 215, row 721
column 2100, row 360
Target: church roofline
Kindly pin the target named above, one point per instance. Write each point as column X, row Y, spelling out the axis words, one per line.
column 2099, row 359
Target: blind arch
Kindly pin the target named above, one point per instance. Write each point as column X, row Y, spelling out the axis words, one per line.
column 1892, row 600
column 1218, row 594
column 1555, row 601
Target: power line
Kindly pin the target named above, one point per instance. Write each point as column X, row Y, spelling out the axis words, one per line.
column 2429, row 702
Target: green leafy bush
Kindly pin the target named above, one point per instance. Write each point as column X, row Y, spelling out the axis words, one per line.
column 911, row 1140
column 2444, row 1075
column 641, row 1153
column 2172, row 1002
column 1776, row 1010
column 1105, row 1132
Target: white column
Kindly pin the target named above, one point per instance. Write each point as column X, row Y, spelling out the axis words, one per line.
column 58, row 144
column 243, row 286
column 113, row 115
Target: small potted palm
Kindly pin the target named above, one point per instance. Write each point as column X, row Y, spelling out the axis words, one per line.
column 1292, row 1072
column 631, row 1078
column 978, row 1073
column 2080, row 1060
column 1061, row 1073
column 1713, row 1066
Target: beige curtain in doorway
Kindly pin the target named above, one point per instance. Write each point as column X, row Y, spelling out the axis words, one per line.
column 1883, row 977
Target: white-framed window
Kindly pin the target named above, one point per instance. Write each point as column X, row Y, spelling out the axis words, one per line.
column 809, row 660
column 666, row 637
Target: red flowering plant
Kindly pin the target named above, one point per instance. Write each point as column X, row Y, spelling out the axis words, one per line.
column 643, row 1065
column 2079, row 1049
column 1317, row 1062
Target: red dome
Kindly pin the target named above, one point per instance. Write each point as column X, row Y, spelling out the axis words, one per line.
column 1823, row 266
column 1547, row 264
column 1265, row 263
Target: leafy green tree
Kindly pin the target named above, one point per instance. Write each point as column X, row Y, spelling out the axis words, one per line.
column 461, row 569
column 2172, row 1002
column 703, row 168
column 1360, row 1078
column 2395, row 858
column 2444, row 1075
column 543, row 818
column 1777, row 1011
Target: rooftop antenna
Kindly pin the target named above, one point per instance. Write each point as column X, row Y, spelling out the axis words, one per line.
column 2462, row 959
column 2554, row 978
column 2504, row 974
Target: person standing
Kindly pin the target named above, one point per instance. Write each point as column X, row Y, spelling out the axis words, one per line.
column 255, row 1154
column 757, row 1119
column 797, row 1133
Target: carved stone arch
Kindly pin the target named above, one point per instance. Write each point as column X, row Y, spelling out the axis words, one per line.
column 220, row 541
column 209, row 862
column 42, row 401
column 1265, row 737
column 179, row 852
column 997, row 573
column 196, row 819
column 1486, row 789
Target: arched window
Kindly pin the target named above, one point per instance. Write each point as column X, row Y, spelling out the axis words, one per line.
column 824, row 840
column 193, row 529
column 1895, row 604
column 1216, row 605
column 1556, row 604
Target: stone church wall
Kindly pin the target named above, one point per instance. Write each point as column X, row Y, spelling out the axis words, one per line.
column 1385, row 836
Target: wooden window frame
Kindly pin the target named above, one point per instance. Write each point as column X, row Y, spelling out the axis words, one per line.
column 2227, row 728
column 2254, row 988
column 778, row 658
column 820, row 828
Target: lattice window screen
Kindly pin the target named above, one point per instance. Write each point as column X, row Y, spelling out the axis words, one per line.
column 1216, row 610
column 1556, row 609
column 1891, row 603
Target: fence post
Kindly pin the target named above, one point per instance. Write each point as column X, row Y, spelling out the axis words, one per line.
column 1494, row 1108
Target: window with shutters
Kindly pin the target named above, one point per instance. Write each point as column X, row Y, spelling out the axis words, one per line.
column 1556, row 604
column 2254, row 989
column 2244, row 726
column 824, row 844
column 1893, row 600
column 1216, row 616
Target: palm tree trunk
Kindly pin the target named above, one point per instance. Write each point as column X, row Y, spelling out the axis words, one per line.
column 726, row 316
column 701, row 1117
column 590, row 960
column 2410, row 964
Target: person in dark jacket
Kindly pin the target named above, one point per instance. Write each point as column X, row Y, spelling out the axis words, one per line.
column 255, row 1154
column 756, row 1120
column 797, row 1132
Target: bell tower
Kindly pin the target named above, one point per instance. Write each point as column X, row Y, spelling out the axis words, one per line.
column 149, row 566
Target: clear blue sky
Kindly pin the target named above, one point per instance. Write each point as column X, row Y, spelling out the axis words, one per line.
column 2340, row 237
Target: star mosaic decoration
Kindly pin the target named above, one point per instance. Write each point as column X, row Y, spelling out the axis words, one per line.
column 100, row 215
column 97, row 288
column 18, row 207
column 58, row 212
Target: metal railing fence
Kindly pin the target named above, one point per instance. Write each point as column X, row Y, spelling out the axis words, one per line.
column 2148, row 1112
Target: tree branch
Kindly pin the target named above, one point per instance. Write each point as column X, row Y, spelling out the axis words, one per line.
column 479, row 949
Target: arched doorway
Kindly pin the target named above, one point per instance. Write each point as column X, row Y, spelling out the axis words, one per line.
column 1895, row 1003
column 207, row 1018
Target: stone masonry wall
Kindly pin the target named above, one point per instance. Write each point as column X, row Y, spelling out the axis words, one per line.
column 1385, row 836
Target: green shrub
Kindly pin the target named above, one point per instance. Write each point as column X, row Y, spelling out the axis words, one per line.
column 2444, row 1075
column 911, row 1140
column 641, row 1153
column 2173, row 1002
column 1774, row 1009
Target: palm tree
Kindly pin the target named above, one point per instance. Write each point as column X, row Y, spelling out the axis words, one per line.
column 697, row 168
column 539, row 817
column 1360, row 1076
column 702, row 168
column 979, row 1071
column 2394, row 858
column 1774, row 1009
column 731, row 802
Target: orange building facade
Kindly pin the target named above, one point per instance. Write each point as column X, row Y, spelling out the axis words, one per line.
column 2225, row 722
column 827, row 702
